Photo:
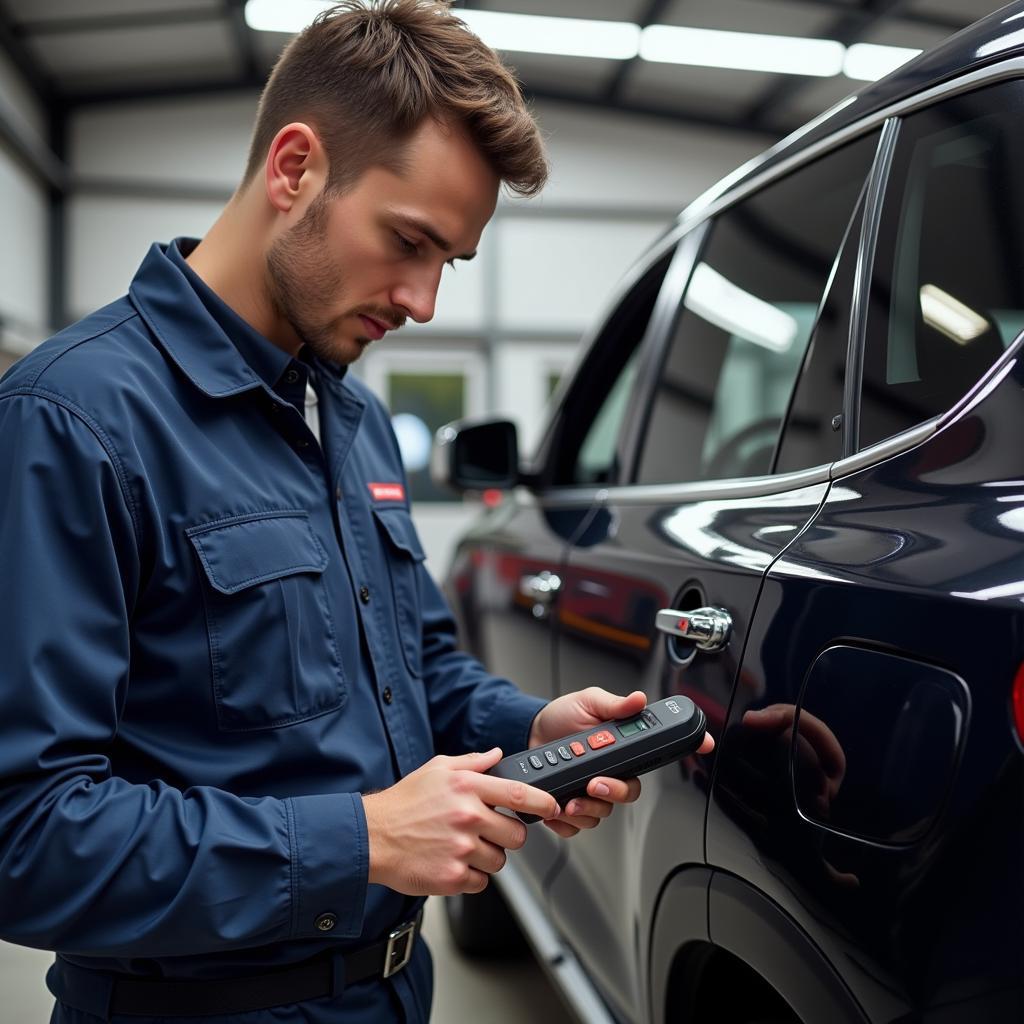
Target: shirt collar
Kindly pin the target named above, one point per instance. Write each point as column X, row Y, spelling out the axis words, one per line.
column 262, row 355
column 211, row 344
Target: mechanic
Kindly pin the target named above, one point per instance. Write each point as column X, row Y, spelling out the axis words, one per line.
column 239, row 745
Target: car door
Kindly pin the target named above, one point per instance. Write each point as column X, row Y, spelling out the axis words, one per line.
column 505, row 576
column 869, row 777
column 696, row 525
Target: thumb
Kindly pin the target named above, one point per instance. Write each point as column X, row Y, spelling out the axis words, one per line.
column 477, row 761
column 607, row 705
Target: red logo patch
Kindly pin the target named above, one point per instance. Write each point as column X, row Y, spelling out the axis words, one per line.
column 387, row 492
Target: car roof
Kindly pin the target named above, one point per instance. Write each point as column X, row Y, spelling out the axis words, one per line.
column 994, row 38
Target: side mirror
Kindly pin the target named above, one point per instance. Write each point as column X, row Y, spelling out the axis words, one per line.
column 476, row 456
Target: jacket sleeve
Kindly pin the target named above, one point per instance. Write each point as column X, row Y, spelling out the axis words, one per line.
column 470, row 709
column 90, row 863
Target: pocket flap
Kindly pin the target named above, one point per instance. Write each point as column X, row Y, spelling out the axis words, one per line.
column 398, row 525
column 248, row 550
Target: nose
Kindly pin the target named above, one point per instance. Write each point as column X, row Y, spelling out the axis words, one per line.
column 417, row 296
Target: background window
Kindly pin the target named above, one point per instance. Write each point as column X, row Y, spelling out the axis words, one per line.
column 747, row 315
column 421, row 403
column 946, row 296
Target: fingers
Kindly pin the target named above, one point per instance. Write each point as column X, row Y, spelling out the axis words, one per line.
column 487, row 858
column 479, row 761
column 617, row 791
column 605, row 706
column 516, row 796
column 476, row 881
column 561, row 828
column 503, row 830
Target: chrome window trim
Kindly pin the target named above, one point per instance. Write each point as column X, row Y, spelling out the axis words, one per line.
column 702, row 490
column 906, row 439
column 878, row 180
column 895, row 445
column 703, row 210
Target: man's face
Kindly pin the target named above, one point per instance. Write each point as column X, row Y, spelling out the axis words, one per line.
column 359, row 264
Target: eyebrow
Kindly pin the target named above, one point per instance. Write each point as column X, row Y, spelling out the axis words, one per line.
column 425, row 229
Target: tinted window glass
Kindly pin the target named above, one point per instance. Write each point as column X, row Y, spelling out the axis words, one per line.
column 946, row 296
column 813, row 435
column 585, row 446
column 747, row 315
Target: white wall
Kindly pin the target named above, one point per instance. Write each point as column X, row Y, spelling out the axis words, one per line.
column 546, row 266
column 23, row 213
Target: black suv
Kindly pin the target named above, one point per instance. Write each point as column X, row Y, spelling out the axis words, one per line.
column 805, row 410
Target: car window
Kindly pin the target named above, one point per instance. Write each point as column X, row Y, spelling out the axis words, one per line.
column 585, row 447
column 746, row 317
column 947, row 295
column 813, row 433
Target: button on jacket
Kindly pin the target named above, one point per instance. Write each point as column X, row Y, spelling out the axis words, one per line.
column 216, row 633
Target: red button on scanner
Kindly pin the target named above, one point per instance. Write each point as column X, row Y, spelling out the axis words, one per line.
column 577, row 748
column 600, row 739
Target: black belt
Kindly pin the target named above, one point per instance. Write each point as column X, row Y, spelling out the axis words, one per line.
column 322, row 976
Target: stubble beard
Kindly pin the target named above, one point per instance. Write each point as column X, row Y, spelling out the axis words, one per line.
column 302, row 278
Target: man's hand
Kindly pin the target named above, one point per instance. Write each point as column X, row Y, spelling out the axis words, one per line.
column 575, row 712
column 436, row 833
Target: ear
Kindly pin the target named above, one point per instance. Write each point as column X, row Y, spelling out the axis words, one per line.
column 296, row 166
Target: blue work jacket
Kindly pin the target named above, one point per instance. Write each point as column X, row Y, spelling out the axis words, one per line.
column 216, row 634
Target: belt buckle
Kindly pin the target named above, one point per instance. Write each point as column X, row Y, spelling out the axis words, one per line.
column 399, row 951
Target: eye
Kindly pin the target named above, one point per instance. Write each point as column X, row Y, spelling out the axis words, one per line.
column 451, row 263
column 405, row 245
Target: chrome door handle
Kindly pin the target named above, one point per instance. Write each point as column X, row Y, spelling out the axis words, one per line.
column 708, row 628
column 541, row 587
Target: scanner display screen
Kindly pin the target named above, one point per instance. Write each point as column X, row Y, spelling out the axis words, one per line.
column 632, row 728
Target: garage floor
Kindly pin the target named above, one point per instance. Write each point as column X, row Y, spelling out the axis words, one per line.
column 490, row 993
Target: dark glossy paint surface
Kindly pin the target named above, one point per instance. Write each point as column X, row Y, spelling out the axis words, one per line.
column 890, row 869
column 638, row 559
column 921, row 558
column 511, row 635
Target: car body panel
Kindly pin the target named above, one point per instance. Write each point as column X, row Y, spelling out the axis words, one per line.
column 892, row 564
column 637, row 559
column 902, row 562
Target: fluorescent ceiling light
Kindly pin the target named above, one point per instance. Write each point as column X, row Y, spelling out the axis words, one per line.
column 867, row 62
column 745, row 51
column 736, row 311
column 525, row 33
column 275, row 16
column 622, row 40
column 571, row 37
column 951, row 317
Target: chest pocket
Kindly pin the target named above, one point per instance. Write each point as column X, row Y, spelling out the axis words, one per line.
column 273, row 652
column 404, row 555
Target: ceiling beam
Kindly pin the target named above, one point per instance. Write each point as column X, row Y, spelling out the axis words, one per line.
column 617, row 82
column 18, row 54
column 696, row 117
column 847, row 28
column 114, row 22
column 179, row 90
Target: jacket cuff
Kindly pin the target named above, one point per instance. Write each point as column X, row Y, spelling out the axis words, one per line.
column 330, row 863
column 509, row 724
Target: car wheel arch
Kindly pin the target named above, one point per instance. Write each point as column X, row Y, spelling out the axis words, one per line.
column 702, row 913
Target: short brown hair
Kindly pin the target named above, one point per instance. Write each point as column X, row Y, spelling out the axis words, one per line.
column 365, row 75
